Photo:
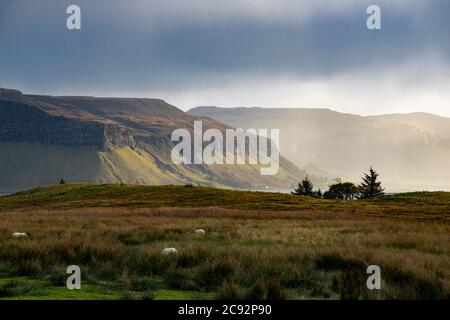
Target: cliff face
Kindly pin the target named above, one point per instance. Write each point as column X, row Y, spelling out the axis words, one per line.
column 20, row 122
column 108, row 140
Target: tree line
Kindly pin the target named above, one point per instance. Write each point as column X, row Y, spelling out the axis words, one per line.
column 370, row 187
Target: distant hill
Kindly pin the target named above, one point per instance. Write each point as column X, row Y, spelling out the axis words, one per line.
column 411, row 151
column 85, row 139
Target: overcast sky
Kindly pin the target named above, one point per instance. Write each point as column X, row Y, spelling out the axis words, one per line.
column 267, row 53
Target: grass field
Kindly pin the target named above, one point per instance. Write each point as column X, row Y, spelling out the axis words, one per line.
column 256, row 246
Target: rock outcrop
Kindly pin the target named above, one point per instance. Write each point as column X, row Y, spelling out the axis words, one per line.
column 20, row 122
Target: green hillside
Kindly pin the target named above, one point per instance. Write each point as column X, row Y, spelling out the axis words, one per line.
column 136, row 196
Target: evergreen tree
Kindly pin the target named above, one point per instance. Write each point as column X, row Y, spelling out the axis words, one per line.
column 62, row 181
column 305, row 188
column 370, row 187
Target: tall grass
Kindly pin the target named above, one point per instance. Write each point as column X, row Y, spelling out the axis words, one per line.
column 241, row 256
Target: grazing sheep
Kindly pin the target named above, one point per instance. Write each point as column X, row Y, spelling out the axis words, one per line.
column 19, row 235
column 200, row 231
column 167, row 251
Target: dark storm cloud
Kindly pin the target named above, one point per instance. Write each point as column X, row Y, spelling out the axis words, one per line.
column 134, row 45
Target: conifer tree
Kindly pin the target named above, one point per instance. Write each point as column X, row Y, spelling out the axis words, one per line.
column 305, row 188
column 370, row 186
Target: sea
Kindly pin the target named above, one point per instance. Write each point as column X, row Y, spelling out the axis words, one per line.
column 4, row 193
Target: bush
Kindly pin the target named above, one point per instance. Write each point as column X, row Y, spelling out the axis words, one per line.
column 342, row 191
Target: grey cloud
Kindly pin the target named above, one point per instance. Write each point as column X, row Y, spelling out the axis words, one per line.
column 173, row 44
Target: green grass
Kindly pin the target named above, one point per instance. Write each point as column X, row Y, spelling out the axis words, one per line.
column 181, row 295
column 133, row 196
column 25, row 288
column 21, row 288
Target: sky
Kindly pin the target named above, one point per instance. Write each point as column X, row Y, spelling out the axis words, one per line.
column 266, row 53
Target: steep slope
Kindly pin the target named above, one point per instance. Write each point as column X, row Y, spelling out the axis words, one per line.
column 88, row 139
column 411, row 151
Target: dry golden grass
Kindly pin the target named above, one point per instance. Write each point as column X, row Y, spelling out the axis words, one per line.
column 300, row 254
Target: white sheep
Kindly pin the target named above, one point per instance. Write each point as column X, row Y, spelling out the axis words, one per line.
column 167, row 251
column 19, row 235
column 200, row 231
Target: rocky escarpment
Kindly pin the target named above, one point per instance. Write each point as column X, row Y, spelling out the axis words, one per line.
column 108, row 140
column 20, row 122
